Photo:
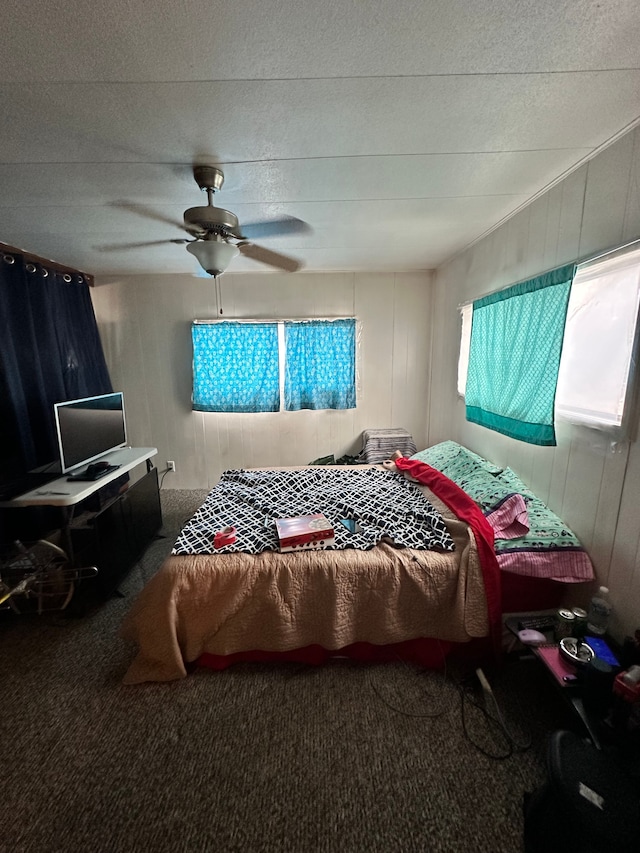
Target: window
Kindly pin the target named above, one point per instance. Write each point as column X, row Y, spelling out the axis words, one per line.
column 514, row 356
column 465, row 343
column 599, row 342
column 246, row 366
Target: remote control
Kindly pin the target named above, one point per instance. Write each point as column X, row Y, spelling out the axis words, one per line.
column 543, row 622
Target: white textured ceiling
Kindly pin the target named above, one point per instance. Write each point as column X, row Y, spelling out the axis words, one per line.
column 400, row 130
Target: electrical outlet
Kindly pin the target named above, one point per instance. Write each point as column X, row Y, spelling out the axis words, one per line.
column 171, row 465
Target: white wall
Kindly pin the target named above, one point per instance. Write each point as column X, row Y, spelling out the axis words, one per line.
column 594, row 487
column 145, row 325
column 408, row 364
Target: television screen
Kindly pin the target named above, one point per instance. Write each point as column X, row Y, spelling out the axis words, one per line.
column 88, row 428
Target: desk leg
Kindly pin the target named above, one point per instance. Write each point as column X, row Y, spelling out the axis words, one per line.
column 65, row 530
column 582, row 712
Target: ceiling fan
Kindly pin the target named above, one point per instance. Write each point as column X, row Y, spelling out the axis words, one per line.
column 218, row 237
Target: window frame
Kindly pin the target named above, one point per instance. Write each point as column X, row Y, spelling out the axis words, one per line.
column 280, row 323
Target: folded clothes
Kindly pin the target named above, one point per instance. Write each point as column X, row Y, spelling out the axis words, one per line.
column 379, row 444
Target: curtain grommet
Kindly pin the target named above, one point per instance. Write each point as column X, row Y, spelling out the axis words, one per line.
column 67, row 278
column 30, row 267
column 8, row 259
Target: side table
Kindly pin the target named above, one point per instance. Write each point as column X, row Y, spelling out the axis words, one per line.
column 568, row 682
column 563, row 675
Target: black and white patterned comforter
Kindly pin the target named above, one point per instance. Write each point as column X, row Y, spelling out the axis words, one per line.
column 386, row 505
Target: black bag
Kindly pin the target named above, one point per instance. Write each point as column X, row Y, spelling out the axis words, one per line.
column 590, row 803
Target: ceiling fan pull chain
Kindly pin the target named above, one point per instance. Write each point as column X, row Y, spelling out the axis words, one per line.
column 219, row 286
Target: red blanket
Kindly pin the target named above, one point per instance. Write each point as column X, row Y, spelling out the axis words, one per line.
column 468, row 510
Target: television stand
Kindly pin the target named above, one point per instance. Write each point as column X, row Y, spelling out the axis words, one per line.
column 115, row 537
column 119, row 532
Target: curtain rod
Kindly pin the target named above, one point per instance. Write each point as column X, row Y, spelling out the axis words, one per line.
column 622, row 248
column 586, row 259
column 268, row 320
column 54, row 265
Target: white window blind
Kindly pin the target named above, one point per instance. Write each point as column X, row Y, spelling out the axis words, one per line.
column 599, row 341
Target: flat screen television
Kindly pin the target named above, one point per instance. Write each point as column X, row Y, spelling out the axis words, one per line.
column 89, row 428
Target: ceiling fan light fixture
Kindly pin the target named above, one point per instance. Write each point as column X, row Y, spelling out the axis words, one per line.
column 214, row 256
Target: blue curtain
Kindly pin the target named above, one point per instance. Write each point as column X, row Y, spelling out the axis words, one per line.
column 516, row 343
column 50, row 351
column 235, row 367
column 320, row 365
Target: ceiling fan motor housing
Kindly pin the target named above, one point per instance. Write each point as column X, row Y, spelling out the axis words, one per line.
column 211, row 219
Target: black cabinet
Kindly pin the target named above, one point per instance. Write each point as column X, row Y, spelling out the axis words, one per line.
column 115, row 537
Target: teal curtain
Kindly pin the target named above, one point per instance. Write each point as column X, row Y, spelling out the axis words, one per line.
column 516, row 343
column 320, row 365
column 235, row 367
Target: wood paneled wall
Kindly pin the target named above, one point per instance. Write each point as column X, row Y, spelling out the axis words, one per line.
column 593, row 485
column 145, row 324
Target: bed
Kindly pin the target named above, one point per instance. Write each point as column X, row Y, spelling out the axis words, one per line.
column 422, row 582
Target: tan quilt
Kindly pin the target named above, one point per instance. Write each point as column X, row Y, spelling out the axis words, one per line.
column 226, row 603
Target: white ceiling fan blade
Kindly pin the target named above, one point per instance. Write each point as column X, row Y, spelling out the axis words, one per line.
column 149, row 213
column 117, row 247
column 286, row 225
column 266, row 256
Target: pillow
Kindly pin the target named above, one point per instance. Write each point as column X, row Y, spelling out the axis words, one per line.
column 438, row 455
column 454, row 460
column 514, row 484
column 547, row 532
column 487, row 490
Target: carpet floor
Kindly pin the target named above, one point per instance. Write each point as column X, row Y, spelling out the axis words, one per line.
column 343, row 757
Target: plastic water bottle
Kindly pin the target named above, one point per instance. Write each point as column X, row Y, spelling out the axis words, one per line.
column 599, row 612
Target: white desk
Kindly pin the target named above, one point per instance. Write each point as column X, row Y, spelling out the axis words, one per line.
column 65, row 493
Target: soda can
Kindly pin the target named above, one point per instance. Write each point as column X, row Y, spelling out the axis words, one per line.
column 565, row 624
column 580, row 622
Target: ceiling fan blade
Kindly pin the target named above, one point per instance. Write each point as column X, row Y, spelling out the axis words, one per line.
column 117, row 247
column 266, row 256
column 149, row 213
column 275, row 228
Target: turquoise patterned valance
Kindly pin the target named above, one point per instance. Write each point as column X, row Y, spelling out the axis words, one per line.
column 516, row 343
